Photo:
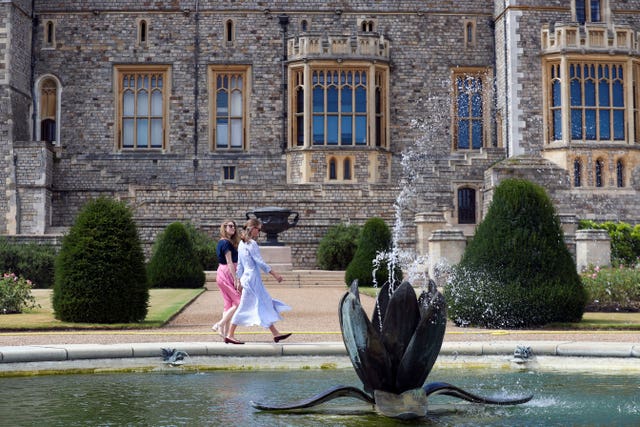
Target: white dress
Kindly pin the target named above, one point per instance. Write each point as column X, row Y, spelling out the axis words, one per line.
column 256, row 305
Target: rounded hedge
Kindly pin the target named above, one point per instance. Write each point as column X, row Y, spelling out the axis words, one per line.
column 204, row 247
column 173, row 262
column 517, row 270
column 375, row 238
column 99, row 272
column 338, row 247
column 31, row 260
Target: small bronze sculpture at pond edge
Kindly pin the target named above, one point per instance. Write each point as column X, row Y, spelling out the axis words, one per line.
column 394, row 353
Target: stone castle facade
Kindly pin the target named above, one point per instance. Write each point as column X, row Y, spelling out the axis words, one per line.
column 203, row 110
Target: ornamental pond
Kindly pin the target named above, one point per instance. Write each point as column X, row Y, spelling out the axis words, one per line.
column 175, row 396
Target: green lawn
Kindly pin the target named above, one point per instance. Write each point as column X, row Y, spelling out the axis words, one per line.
column 163, row 305
column 603, row 321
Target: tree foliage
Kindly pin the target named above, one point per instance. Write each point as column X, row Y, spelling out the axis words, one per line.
column 375, row 238
column 338, row 246
column 625, row 240
column 517, row 270
column 99, row 272
column 173, row 262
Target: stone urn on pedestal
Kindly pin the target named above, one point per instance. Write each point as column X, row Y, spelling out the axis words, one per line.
column 275, row 220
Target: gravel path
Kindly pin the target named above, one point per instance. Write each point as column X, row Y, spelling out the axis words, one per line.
column 313, row 318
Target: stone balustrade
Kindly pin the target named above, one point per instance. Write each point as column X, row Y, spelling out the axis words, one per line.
column 371, row 46
column 566, row 37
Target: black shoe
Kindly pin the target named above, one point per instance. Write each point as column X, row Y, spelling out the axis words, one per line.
column 281, row 337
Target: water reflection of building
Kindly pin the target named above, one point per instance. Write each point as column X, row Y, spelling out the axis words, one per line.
column 201, row 110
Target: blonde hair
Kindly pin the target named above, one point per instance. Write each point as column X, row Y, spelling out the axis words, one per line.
column 235, row 238
column 248, row 226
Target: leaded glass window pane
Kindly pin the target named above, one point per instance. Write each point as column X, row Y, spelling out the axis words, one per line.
column 127, row 133
column 332, row 99
column 236, row 133
column 469, row 112
column 618, row 125
column 229, row 109
column 332, row 130
column 143, row 108
column 605, row 126
column 339, row 107
column 318, row 130
column 576, row 124
column 361, row 100
column 222, row 132
column 361, row 130
column 597, row 112
column 236, row 103
column 463, row 134
column 128, row 103
column 222, row 103
column 476, row 129
column 557, row 125
column 346, row 130
column 156, row 103
column 142, row 132
column 156, row 133
column 590, row 124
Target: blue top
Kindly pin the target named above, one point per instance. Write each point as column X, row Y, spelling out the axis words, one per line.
column 223, row 247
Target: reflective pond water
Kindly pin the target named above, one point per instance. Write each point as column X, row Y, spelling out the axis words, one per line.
column 212, row 398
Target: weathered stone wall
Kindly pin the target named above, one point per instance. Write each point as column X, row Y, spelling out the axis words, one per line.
column 15, row 99
column 163, row 187
column 34, row 167
column 426, row 44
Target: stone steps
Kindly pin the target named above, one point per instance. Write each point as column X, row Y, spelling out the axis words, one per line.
column 296, row 278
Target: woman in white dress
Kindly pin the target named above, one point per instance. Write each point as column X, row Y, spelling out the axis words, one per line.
column 256, row 305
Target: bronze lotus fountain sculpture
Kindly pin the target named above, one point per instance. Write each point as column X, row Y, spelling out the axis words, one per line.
column 394, row 353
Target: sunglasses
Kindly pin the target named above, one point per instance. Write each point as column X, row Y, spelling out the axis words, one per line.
column 231, row 226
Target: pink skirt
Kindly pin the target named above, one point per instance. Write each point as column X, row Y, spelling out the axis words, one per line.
column 225, row 282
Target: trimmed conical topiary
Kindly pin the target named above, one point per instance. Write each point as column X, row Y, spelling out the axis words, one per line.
column 517, row 270
column 375, row 238
column 173, row 262
column 100, row 274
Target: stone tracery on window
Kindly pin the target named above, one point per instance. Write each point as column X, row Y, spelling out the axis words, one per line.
column 142, row 106
column 338, row 105
column 228, row 95
column 588, row 10
column 470, row 104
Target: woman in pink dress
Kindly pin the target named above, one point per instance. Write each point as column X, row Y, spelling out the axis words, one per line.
column 229, row 284
column 256, row 305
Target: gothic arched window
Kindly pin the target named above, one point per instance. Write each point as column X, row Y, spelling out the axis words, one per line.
column 577, row 173
column 598, row 171
column 619, row 173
